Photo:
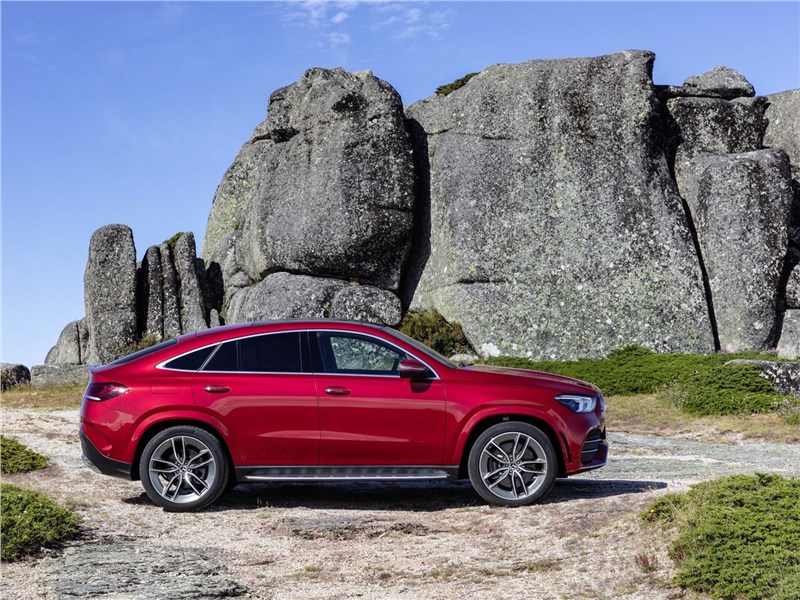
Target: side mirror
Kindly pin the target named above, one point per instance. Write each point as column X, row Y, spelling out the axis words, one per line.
column 413, row 369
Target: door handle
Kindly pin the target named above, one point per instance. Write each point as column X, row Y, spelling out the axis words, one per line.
column 217, row 389
column 337, row 391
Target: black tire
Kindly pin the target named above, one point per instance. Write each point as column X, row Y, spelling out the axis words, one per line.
column 512, row 464
column 184, row 468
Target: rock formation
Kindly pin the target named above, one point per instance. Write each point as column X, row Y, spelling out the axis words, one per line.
column 555, row 228
column 555, row 208
column 12, row 375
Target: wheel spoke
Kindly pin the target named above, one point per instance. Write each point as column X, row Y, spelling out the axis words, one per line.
column 524, row 448
column 513, row 485
column 191, row 485
column 505, row 458
column 524, row 487
column 178, row 486
column 493, row 473
column 499, row 459
column 165, row 489
column 202, row 464
column 190, row 463
column 514, row 448
column 498, row 480
column 162, row 460
column 200, row 480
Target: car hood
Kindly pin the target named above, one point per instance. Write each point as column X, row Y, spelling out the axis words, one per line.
column 512, row 375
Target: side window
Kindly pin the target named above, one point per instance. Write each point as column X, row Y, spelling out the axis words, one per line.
column 192, row 361
column 226, row 358
column 273, row 353
column 354, row 354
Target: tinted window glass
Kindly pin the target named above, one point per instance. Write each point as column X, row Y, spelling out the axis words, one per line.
column 192, row 361
column 224, row 359
column 145, row 352
column 345, row 353
column 276, row 353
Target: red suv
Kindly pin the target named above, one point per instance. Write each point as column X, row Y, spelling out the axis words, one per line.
column 331, row 401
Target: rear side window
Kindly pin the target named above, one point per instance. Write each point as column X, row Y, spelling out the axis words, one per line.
column 192, row 361
column 274, row 353
column 226, row 358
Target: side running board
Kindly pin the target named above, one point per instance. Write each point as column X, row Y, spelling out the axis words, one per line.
column 317, row 474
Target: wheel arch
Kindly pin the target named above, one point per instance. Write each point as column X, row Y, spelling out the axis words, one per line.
column 559, row 445
column 159, row 426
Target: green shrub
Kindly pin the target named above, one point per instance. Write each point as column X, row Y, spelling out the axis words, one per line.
column 30, row 521
column 738, row 537
column 17, row 458
column 146, row 341
column 705, row 384
column 173, row 240
column 443, row 90
column 433, row 330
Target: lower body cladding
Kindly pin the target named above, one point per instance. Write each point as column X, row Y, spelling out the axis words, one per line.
column 346, row 473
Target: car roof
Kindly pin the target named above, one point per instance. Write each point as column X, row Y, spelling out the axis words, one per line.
column 311, row 323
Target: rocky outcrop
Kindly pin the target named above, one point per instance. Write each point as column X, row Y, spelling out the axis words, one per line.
column 720, row 82
column 720, row 126
column 110, row 293
column 785, row 376
column 740, row 205
column 555, row 228
column 72, row 345
column 331, row 185
column 555, row 208
column 12, row 375
column 42, row 375
column 789, row 342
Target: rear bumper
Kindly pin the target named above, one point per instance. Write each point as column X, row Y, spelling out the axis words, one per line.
column 107, row 466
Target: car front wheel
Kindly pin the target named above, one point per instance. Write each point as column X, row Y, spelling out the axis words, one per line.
column 512, row 464
column 183, row 469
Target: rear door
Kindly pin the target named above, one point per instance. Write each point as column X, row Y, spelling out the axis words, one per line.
column 260, row 389
column 369, row 415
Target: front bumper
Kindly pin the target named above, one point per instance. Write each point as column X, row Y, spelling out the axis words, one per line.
column 107, row 466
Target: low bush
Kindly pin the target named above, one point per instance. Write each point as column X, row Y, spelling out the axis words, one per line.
column 737, row 537
column 448, row 88
column 433, row 330
column 31, row 521
column 704, row 384
column 18, row 458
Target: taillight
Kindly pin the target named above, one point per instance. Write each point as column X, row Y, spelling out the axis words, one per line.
column 104, row 391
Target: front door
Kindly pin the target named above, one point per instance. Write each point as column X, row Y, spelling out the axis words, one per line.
column 369, row 415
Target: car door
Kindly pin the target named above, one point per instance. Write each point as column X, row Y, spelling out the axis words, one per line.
column 369, row 415
column 259, row 388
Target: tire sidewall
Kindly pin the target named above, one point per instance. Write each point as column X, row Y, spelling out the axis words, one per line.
column 473, row 462
column 213, row 444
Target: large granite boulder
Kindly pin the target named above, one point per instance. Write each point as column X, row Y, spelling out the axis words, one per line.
column 720, row 126
column 789, row 343
column 367, row 303
column 720, row 82
column 110, row 293
column 284, row 296
column 555, row 229
column 325, row 188
column 170, row 292
column 740, row 205
column 192, row 298
column 71, row 347
column 12, row 375
column 783, row 126
column 150, row 295
column 42, row 375
column 793, row 289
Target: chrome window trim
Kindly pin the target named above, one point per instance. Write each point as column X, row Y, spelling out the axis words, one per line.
column 161, row 366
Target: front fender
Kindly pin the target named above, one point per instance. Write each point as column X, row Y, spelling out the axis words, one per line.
column 550, row 419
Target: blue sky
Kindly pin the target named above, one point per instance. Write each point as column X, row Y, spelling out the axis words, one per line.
column 131, row 112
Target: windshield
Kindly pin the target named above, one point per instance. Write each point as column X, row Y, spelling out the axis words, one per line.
column 423, row 348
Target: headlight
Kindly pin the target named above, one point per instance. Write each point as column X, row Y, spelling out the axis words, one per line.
column 577, row 403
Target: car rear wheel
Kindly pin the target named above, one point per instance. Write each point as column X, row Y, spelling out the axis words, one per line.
column 184, row 468
column 512, row 464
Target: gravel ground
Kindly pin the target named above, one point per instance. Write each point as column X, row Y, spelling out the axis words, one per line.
column 369, row 540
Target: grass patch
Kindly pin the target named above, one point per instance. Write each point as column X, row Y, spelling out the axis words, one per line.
column 51, row 397
column 699, row 384
column 660, row 414
column 737, row 537
column 31, row 521
column 433, row 330
column 448, row 88
column 173, row 240
column 18, row 458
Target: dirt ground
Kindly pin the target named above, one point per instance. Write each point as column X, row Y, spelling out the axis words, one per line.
column 369, row 540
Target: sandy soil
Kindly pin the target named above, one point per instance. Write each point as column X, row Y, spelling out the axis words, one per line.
column 369, row 540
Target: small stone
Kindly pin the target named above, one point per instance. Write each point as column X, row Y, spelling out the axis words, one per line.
column 12, row 375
